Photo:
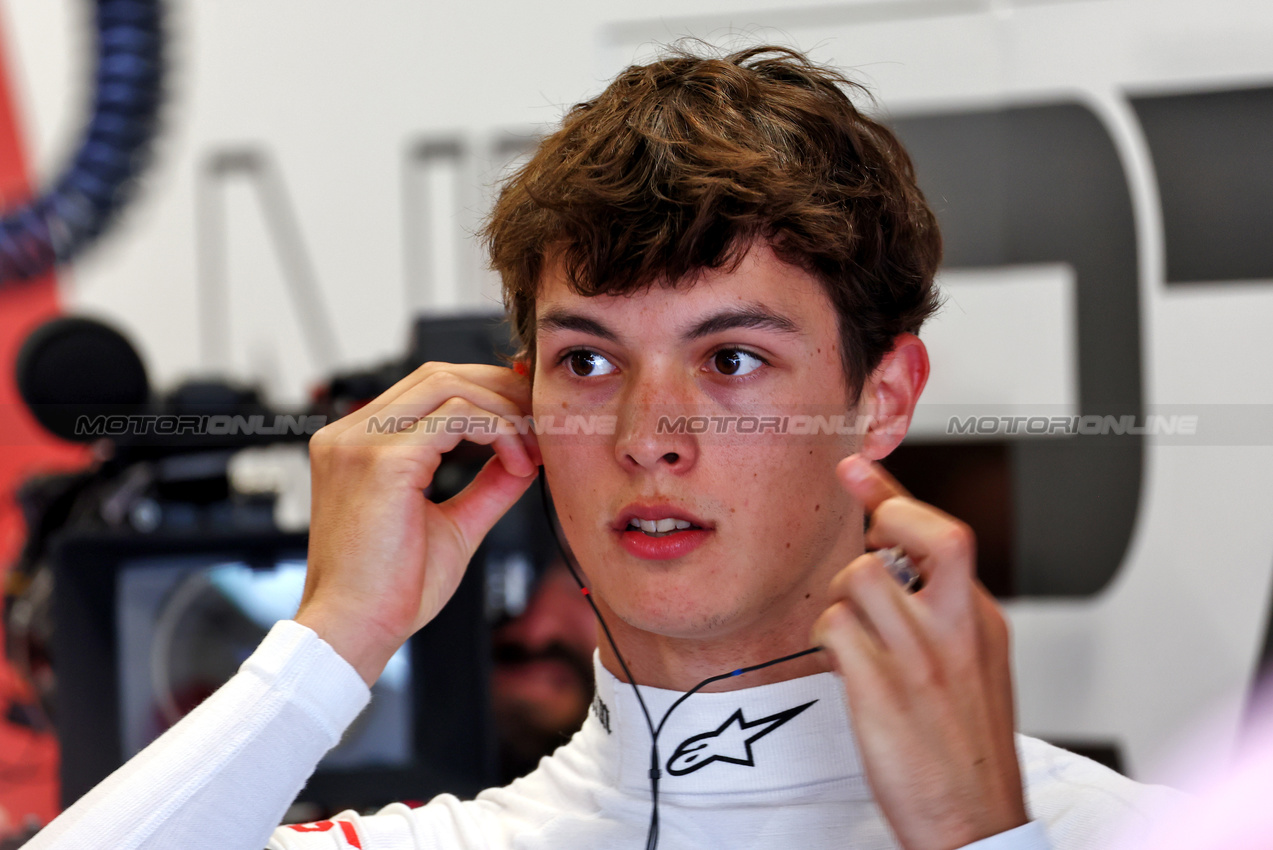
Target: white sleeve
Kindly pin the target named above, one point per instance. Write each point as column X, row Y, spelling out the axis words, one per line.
column 223, row 777
column 1031, row 836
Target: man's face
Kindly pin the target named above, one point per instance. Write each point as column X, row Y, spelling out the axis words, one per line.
column 541, row 673
column 769, row 523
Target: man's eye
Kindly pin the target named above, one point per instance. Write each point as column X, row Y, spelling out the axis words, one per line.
column 735, row 362
column 588, row 364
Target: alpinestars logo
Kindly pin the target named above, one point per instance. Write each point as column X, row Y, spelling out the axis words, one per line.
column 730, row 743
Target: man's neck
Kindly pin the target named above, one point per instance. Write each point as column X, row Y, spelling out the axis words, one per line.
column 681, row 663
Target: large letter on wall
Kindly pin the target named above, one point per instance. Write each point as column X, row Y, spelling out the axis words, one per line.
column 1044, row 184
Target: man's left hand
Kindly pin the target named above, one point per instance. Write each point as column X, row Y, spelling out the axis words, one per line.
column 927, row 674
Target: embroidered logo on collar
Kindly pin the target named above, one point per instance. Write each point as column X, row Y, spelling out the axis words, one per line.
column 731, row 742
column 602, row 712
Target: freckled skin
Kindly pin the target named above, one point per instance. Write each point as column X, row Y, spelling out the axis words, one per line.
column 752, row 591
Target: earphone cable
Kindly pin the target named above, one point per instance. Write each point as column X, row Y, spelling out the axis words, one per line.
column 652, row 836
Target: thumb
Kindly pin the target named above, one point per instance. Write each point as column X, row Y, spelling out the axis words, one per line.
column 476, row 508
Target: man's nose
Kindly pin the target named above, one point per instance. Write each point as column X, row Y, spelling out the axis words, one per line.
column 652, row 432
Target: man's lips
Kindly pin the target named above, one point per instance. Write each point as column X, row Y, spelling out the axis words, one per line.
column 682, row 530
column 664, row 547
column 653, row 512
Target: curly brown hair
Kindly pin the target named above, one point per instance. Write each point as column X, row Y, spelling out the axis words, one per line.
column 679, row 166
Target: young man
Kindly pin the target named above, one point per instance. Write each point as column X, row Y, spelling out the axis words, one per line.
column 708, row 250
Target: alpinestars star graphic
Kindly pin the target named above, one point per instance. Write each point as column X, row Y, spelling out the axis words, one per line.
column 730, row 743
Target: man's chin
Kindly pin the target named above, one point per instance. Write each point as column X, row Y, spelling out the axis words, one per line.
column 686, row 619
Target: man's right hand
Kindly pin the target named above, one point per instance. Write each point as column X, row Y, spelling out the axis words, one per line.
column 383, row 559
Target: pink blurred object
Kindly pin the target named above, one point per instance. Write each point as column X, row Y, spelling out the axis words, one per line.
column 1234, row 810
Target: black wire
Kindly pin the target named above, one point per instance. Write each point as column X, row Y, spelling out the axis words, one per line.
column 652, row 836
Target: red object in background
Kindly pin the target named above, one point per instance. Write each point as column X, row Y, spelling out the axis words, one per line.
column 28, row 760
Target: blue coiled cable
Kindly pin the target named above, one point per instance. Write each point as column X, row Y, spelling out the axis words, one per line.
column 54, row 227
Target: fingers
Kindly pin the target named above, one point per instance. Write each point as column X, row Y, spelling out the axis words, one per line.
column 868, row 481
column 942, row 547
column 939, row 627
column 930, row 699
column 843, row 632
column 874, row 634
column 441, row 404
column 506, row 382
column 476, row 508
column 492, row 387
column 442, row 431
column 922, row 530
column 424, row 390
column 383, row 559
column 927, row 675
column 879, row 601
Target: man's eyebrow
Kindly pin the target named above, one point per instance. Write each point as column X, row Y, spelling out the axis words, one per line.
column 562, row 320
column 754, row 317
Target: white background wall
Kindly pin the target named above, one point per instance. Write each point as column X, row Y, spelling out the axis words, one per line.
column 339, row 92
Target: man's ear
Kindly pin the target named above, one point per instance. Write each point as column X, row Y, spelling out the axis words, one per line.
column 889, row 396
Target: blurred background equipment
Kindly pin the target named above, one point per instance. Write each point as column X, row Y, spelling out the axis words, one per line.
column 72, row 367
column 44, row 223
column 149, row 578
column 542, row 677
